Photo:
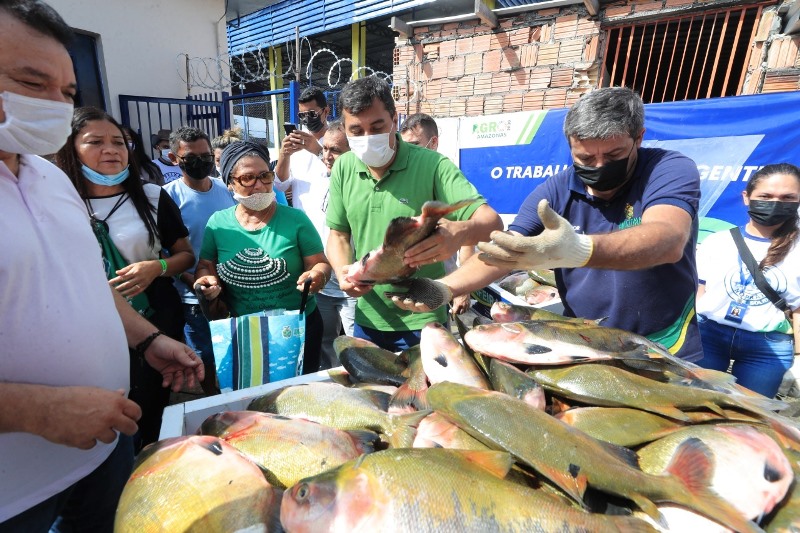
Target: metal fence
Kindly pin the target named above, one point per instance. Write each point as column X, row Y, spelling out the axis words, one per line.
column 147, row 114
column 259, row 115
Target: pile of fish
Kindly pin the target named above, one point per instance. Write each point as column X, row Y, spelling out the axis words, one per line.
column 535, row 422
column 532, row 286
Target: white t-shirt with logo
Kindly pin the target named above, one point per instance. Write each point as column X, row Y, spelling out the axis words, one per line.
column 170, row 172
column 58, row 325
column 310, row 181
column 727, row 280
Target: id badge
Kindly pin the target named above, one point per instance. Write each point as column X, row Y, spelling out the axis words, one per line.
column 736, row 312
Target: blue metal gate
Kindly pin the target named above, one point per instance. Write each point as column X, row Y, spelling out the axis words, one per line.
column 259, row 115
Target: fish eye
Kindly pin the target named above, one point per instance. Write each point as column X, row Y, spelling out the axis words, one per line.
column 771, row 474
column 303, row 492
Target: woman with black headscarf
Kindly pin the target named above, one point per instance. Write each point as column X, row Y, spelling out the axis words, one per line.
column 257, row 255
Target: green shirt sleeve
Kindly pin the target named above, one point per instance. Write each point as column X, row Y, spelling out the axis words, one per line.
column 335, row 215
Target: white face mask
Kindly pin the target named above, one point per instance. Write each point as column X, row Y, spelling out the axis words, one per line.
column 34, row 125
column 373, row 150
column 256, row 201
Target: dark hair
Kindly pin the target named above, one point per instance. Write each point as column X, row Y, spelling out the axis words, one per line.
column 605, row 113
column 359, row 94
column 422, row 120
column 785, row 236
column 186, row 134
column 313, row 93
column 67, row 160
column 41, row 17
column 146, row 165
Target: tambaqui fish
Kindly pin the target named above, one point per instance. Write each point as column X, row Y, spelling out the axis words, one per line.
column 196, row 483
column 386, row 264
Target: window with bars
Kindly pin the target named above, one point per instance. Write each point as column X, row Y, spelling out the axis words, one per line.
column 683, row 58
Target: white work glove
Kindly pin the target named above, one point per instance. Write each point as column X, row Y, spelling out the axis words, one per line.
column 558, row 246
column 423, row 295
column 790, row 386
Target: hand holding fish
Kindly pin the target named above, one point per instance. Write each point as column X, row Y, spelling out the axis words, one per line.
column 558, row 246
column 175, row 361
column 81, row 416
column 355, row 289
column 423, row 295
column 443, row 243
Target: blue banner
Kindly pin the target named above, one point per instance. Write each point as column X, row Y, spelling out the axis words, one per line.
column 507, row 156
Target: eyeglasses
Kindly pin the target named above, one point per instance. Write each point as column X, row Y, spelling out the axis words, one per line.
column 249, row 180
column 194, row 159
column 305, row 115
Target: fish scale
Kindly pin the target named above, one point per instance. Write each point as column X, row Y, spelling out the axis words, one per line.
column 572, row 459
column 452, row 492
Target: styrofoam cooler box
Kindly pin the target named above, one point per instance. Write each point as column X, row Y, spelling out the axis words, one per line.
column 185, row 418
column 485, row 297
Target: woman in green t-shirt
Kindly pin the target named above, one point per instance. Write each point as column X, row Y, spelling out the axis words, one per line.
column 257, row 255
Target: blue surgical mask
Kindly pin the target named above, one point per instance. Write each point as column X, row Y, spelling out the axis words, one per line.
column 103, row 179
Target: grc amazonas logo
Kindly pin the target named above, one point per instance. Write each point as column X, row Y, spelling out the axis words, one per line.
column 491, row 129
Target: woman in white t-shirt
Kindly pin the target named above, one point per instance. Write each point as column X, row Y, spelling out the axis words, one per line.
column 150, row 241
column 738, row 323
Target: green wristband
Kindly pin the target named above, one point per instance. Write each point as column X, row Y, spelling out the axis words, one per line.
column 163, row 266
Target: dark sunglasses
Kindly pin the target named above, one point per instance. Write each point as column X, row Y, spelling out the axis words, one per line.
column 304, row 115
column 248, row 180
column 193, row 159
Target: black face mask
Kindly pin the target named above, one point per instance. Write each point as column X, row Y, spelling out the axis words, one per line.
column 313, row 123
column 772, row 213
column 196, row 168
column 605, row 178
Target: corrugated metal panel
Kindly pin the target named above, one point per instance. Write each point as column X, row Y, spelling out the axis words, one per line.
column 275, row 24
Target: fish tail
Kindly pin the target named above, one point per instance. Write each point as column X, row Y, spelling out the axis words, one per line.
column 407, row 399
column 692, row 466
column 404, row 429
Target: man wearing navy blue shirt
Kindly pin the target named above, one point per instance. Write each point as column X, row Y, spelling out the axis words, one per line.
column 619, row 227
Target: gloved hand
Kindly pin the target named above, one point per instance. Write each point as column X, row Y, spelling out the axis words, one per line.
column 558, row 246
column 790, row 386
column 423, row 295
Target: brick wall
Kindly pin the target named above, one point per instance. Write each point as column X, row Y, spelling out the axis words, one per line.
column 548, row 58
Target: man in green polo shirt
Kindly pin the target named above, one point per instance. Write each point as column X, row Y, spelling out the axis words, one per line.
column 382, row 178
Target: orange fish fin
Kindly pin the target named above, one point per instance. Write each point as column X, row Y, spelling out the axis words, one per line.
column 495, row 462
column 407, row 399
column 692, row 465
column 573, row 481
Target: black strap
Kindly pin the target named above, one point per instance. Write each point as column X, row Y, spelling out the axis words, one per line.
column 758, row 276
column 304, row 296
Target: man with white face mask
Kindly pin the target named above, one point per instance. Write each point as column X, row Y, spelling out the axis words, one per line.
column 161, row 145
column 382, row 178
column 64, row 370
